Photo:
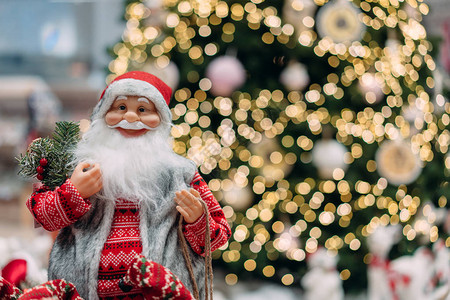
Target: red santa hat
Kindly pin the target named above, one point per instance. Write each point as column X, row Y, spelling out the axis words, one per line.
column 136, row 83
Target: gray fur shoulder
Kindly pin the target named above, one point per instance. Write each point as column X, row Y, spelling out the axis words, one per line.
column 185, row 167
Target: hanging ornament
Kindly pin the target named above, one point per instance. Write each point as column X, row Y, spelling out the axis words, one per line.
column 371, row 87
column 328, row 155
column 300, row 14
column 398, row 163
column 154, row 4
column 238, row 197
column 285, row 241
column 156, row 14
column 295, row 76
column 168, row 72
column 415, row 118
column 273, row 166
column 412, row 11
column 339, row 20
column 226, row 74
column 445, row 47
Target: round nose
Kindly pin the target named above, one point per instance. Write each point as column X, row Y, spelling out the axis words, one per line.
column 131, row 116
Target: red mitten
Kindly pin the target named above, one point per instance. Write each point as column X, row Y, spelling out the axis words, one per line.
column 155, row 280
column 8, row 291
column 55, row 289
column 62, row 289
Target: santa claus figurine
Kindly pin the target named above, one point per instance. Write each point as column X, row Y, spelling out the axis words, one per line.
column 125, row 197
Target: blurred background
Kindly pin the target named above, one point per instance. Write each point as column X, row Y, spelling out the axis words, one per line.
column 321, row 126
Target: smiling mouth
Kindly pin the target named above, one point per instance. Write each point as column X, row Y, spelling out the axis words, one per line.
column 132, row 132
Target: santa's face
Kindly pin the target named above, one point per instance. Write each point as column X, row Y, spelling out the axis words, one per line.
column 132, row 116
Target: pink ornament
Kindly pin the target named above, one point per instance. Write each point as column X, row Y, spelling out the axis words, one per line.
column 226, row 74
column 295, row 77
column 445, row 47
column 329, row 155
column 371, row 88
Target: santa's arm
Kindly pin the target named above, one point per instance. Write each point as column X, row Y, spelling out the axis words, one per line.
column 58, row 208
column 218, row 225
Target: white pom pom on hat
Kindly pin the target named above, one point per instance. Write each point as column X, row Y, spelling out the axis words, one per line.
column 136, row 83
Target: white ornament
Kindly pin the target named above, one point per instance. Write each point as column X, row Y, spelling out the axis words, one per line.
column 371, row 87
column 154, row 4
column 274, row 167
column 238, row 197
column 294, row 77
column 322, row 281
column 415, row 118
column 398, row 163
column 168, row 73
column 286, row 241
column 299, row 12
column 328, row 155
column 339, row 20
column 226, row 74
column 411, row 113
column 157, row 15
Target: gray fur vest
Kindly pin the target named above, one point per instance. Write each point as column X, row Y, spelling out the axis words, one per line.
column 76, row 252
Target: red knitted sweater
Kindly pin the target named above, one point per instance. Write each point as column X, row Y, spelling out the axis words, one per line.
column 121, row 247
column 56, row 209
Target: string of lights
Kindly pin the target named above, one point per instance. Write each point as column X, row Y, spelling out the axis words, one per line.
column 371, row 91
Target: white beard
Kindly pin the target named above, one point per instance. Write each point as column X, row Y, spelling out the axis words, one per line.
column 131, row 168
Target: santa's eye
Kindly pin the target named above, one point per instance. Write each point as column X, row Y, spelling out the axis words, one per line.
column 122, row 107
column 141, row 109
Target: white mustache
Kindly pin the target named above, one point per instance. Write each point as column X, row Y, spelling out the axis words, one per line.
column 124, row 124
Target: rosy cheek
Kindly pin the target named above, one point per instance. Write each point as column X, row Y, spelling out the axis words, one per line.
column 112, row 118
column 152, row 121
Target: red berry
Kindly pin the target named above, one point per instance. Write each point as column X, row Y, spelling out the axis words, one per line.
column 40, row 176
column 43, row 162
column 40, row 169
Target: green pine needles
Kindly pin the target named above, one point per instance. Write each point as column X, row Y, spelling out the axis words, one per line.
column 47, row 159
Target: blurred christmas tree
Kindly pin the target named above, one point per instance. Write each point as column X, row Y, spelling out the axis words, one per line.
column 313, row 122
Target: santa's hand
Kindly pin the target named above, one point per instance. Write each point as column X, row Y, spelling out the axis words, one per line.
column 87, row 179
column 189, row 205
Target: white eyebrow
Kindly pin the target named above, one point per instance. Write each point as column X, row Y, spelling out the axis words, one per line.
column 142, row 99
column 121, row 98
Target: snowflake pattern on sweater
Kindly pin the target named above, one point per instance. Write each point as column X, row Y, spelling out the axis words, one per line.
column 121, row 247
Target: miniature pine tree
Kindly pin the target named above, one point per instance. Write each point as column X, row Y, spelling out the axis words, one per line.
column 47, row 159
